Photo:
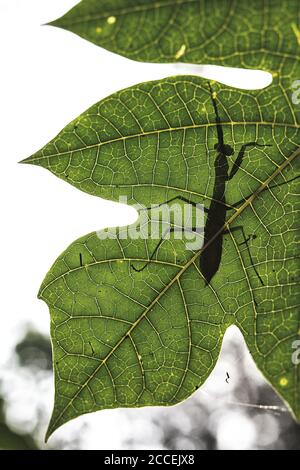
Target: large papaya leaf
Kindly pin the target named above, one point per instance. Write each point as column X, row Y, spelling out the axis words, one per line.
column 123, row 338
column 262, row 34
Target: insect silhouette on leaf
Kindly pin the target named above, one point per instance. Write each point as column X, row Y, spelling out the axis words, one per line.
column 210, row 258
column 215, row 227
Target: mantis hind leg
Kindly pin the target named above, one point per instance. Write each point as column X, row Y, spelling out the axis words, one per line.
column 240, row 228
column 175, row 198
column 275, row 186
column 170, row 230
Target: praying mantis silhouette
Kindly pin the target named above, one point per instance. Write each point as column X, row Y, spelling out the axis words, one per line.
column 210, row 257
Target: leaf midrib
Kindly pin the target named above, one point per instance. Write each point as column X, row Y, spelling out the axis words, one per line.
column 227, row 224
column 34, row 157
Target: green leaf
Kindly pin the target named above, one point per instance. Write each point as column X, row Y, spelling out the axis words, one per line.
column 152, row 141
column 262, row 34
column 123, row 338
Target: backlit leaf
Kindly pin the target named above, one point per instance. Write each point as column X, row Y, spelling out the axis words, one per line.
column 123, row 338
column 262, row 34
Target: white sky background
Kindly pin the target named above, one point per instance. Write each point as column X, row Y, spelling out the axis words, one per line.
column 47, row 77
